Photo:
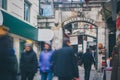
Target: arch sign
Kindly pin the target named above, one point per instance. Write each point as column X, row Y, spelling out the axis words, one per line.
column 76, row 19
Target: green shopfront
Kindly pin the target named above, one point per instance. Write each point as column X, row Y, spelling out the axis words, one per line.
column 20, row 31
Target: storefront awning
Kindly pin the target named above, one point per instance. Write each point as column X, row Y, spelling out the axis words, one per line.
column 19, row 27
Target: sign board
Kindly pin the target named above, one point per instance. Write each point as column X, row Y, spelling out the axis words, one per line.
column 80, row 47
column 74, row 40
column 75, row 19
column 45, row 35
column 1, row 18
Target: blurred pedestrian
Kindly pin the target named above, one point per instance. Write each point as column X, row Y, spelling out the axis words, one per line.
column 28, row 63
column 115, row 62
column 45, row 62
column 8, row 60
column 79, row 57
column 65, row 63
column 87, row 60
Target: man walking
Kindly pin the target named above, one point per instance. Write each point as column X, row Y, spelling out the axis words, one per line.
column 87, row 60
column 64, row 63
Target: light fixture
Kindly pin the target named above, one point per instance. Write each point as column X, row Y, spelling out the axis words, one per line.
column 56, row 23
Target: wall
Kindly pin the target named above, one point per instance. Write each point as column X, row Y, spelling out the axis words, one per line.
column 16, row 8
column 34, row 11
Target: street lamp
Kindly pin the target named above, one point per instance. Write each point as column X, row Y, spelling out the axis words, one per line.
column 56, row 23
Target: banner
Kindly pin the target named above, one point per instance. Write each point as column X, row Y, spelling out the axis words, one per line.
column 118, row 24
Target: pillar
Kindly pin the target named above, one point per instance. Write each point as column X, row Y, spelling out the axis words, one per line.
column 16, row 45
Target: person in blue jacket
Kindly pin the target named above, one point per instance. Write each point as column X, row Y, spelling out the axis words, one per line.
column 45, row 62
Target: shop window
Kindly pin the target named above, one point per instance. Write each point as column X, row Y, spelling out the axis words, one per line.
column 22, row 43
column 27, row 6
column 3, row 4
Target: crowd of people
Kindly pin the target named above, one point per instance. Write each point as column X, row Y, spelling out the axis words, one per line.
column 62, row 63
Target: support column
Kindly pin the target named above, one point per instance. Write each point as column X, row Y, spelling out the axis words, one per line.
column 16, row 45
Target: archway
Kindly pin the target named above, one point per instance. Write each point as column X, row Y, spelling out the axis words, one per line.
column 83, row 34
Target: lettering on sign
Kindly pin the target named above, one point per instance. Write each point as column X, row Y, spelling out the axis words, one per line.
column 79, row 19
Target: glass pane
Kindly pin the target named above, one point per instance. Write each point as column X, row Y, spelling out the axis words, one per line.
column 0, row 3
column 22, row 42
column 47, row 10
column 26, row 11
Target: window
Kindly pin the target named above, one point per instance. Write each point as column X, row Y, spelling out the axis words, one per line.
column 27, row 11
column 3, row 4
column 46, row 10
column 22, row 45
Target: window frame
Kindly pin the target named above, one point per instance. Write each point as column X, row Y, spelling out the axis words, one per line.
column 27, row 14
column 4, row 4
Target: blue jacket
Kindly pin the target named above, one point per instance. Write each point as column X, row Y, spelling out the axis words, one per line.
column 45, row 61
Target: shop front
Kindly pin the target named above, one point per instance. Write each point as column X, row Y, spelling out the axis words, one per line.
column 20, row 31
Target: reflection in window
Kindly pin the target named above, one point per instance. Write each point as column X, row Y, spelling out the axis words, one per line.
column 47, row 10
column 26, row 11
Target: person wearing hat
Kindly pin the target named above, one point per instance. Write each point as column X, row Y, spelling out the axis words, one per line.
column 8, row 60
column 45, row 62
column 28, row 63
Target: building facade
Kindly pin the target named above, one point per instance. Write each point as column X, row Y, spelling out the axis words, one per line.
column 20, row 16
column 65, row 12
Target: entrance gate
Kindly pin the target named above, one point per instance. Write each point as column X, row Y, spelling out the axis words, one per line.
column 83, row 34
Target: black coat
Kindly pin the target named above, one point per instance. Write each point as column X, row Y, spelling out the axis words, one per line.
column 65, row 63
column 88, row 59
column 29, row 62
column 8, row 60
column 115, row 62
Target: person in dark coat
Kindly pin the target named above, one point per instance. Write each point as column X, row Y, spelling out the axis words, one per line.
column 65, row 63
column 79, row 57
column 87, row 60
column 115, row 59
column 28, row 63
column 8, row 60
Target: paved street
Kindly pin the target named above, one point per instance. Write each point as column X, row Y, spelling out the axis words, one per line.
column 81, row 71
